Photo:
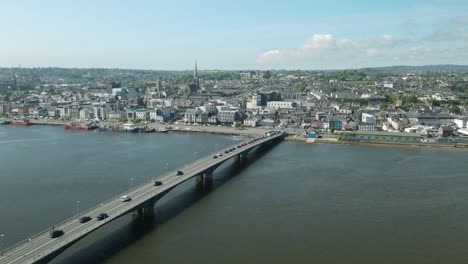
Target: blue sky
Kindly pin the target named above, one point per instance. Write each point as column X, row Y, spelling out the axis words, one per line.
column 170, row 35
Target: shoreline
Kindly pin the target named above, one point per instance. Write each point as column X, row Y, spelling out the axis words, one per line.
column 454, row 146
column 182, row 128
column 252, row 132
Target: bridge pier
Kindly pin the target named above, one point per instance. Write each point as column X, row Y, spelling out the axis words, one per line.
column 208, row 175
column 199, row 179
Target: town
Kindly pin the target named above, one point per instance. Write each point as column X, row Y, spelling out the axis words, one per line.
column 426, row 104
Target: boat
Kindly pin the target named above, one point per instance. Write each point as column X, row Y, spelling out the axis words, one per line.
column 24, row 122
column 105, row 128
column 130, row 127
column 4, row 122
column 74, row 126
column 162, row 130
column 147, row 130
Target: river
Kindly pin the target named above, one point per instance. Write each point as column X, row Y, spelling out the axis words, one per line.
column 295, row 203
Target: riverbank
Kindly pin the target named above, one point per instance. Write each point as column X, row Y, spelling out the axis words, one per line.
column 253, row 132
column 221, row 130
column 454, row 146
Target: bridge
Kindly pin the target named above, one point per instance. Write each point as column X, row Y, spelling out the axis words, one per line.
column 41, row 248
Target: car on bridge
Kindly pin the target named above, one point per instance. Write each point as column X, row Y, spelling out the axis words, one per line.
column 178, row 173
column 102, row 216
column 215, row 156
column 56, row 233
column 125, row 198
column 85, row 219
column 226, row 151
column 158, row 183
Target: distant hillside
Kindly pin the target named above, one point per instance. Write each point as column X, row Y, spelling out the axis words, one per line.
column 426, row 68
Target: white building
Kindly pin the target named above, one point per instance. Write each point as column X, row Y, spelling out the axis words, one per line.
column 155, row 115
column 368, row 118
column 280, row 104
column 86, row 113
column 461, row 122
column 142, row 114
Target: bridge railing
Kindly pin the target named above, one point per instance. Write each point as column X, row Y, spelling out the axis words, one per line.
column 91, row 210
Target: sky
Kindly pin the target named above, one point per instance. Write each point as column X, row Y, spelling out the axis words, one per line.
column 232, row 35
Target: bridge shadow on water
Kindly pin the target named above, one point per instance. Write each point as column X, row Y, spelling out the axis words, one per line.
column 121, row 233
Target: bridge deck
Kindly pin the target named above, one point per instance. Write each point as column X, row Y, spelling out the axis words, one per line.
column 41, row 245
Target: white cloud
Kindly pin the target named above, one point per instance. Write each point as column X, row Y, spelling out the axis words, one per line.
column 268, row 56
column 319, row 41
column 327, row 51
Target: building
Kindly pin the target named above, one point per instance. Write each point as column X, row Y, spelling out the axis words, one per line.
column 156, row 115
column 228, row 117
column 280, row 104
column 335, row 124
column 75, row 113
column 368, row 118
column 142, row 114
column 190, row 115
column 461, row 122
column 115, row 115
column 86, row 113
column 366, row 127
column 445, row 131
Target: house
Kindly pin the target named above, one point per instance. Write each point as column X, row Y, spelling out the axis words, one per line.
column 251, row 122
column 368, row 118
column 213, row 119
column 335, row 124
column 461, row 122
column 75, row 113
column 115, row 115
column 156, row 115
column 434, row 119
column 267, row 122
column 142, row 114
column 191, row 115
column 86, row 113
column 317, row 124
column 228, row 117
column 445, row 131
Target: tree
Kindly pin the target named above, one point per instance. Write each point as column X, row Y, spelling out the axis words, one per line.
column 383, row 106
column 454, row 110
column 267, row 75
column 332, row 130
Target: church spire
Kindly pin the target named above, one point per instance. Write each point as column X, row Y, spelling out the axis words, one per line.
column 196, row 80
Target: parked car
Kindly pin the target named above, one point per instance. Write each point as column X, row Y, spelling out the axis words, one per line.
column 158, row 183
column 56, row 233
column 102, row 216
column 125, row 198
column 85, row 219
